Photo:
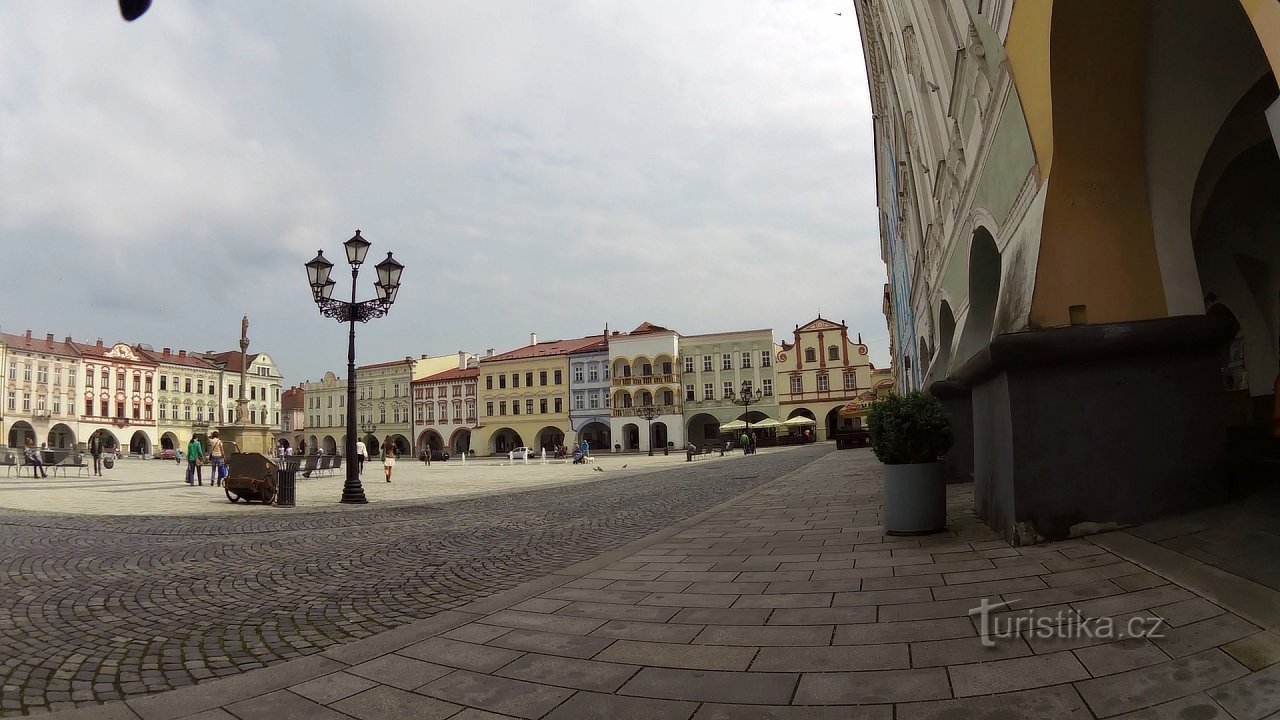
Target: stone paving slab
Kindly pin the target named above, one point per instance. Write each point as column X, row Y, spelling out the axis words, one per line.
column 903, row 643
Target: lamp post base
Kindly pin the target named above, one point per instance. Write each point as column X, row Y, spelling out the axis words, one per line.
column 354, row 499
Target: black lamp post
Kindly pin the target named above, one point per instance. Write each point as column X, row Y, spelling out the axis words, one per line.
column 367, row 430
column 648, row 412
column 387, row 286
column 746, row 399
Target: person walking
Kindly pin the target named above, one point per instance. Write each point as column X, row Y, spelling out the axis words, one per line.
column 95, row 449
column 362, row 454
column 216, row 460
column 195, row 457
column 34, row 459
column 388, row 457
column 746, row 444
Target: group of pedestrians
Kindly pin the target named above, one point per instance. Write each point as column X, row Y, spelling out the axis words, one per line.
column 196, row 461
column 389, row 454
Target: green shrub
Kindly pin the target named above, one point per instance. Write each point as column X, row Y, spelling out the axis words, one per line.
column 911, row 428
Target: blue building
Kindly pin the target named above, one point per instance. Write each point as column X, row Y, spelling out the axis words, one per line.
column 589, row 396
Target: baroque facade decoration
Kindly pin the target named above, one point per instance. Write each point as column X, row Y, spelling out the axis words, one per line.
column 1066, row 186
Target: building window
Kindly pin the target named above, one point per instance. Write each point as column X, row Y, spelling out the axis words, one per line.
column 88, row 406
column 515, row 380
column 26, row 401
column 488, row 408
column 577, row 375
column 746, row 359
column 823, row 383
column 728, row 388
column 395, row 390
column 542, row 376
column 253, row 393
column 57, row 405
column 199, row 387
column 515, row 407
column 850, row 381
column 528, row 379
column 708, row 391
column 606, row 373
column 488, row 383
column 668, row 397
column 810, row 355
column 646, row 370
column 186, row 385
column 748, row 386
column 833, row 353
column 502, row 382
column 594, row 399
column 626, row 371
column 559, row 379
column 26, row 372
column 559, row 405
column 200, row 413
column 42, row 374
column 706, row 363
column 231, row 389
column 688, row 393
column 542, row 404
column 149, row 385
column 253, row 417
column 578, row 402
column 766, row 386
column 688, row 363
column 88, row 376
column 382, row 413
column 13, row 372
column 593, row 373
column 797, row 384
column 102, row 405
column 726, row 361
column 119, row 379
column 766, row 358
column 528, row 407
column 186, row 412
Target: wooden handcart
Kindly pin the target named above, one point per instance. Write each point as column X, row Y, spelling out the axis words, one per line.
column 250, row 476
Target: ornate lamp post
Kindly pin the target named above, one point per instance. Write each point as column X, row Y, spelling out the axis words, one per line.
column 648, row 412
column 746, row 399
column 367, row 430
column 387, row 286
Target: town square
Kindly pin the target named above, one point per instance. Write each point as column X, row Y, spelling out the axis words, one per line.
column 728, row 360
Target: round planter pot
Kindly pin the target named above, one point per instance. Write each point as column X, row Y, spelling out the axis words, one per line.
column 915, row 498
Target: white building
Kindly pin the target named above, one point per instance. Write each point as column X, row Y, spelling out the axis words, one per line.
column 645, row 374
column 40, row 391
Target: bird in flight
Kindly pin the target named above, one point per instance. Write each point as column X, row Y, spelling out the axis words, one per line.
column 840, row 13
column 624, row 467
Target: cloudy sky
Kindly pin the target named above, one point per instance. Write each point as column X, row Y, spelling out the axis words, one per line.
column 545, row 167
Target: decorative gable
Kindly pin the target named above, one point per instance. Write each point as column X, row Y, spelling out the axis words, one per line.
column 819, row 324
column 122, row 351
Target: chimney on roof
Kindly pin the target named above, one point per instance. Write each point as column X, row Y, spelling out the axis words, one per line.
column 182, row 353
column 99, row 342
column 424, row 356
column 168, row 352
column 28, row 334
column 617, row 332
column 462, row 360
column 489, row 352
column 533, row 338
column 48, row 338
column 67, row 340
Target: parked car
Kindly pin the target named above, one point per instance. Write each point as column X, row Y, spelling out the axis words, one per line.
column 523, row 453
column 439, row 455
column 169, row 454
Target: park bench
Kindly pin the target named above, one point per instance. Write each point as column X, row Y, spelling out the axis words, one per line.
column 310, row 466
column 73, row 460
column 8, row 461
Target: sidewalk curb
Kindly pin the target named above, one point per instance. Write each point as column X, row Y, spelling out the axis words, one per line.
column 182, row 702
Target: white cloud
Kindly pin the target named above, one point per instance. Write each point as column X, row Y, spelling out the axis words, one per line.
column 536, row 166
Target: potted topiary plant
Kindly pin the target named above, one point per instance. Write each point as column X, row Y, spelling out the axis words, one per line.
column 909, row 433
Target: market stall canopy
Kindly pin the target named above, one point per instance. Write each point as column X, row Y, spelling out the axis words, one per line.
column 734, row 425
column 800, row 420
column 767, row 423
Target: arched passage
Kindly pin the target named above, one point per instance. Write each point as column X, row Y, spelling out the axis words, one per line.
column 630, row 436
column 19, row 433
column 430, row 440
column 596, row 435
column 401, row 443
column 550, row 438
column 659, row 435
column 140, row 444
column 946, row 337
column 62, row 437
column 504, row 440
column 703, row 429
column 984, row 292
column 330, row 445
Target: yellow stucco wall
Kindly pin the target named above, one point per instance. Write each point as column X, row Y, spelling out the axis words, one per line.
column 1027, row 47
column 1265, row 16
column 526, row 425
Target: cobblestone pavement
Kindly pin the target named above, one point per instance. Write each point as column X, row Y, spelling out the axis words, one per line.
column 100, row 608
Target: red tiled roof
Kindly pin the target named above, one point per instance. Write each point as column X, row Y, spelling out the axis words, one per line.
column 449, row 375
column 292, row 399
column 648, row 327
column 39, row 344
column 597, row 346
column 543, row 349
column 174, row 358
column 230, row 359
column 100, row 351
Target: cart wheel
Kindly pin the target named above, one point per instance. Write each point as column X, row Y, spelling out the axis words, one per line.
column 268, row 488
column 230, row 495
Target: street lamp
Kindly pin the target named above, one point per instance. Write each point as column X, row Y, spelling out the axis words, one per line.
column 387, row 286
column 367, row 430
column 746, row 399
column 648, row 412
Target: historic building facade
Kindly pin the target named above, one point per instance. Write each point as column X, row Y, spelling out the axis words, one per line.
column 714, row 368
column 41, row 391
column 445, row 408
column 589, row 393
column 646, row 373
column 293, row 417
column 383, row 401
column 118, row 396
column 524, row 396
column 1077, row 216
column 187, row 397
column 820, row 372
column 262, row 383
column 324, row 404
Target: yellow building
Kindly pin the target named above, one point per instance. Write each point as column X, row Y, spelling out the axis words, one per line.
column 819, row 373
column 1077, row 211
column 524, row 396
